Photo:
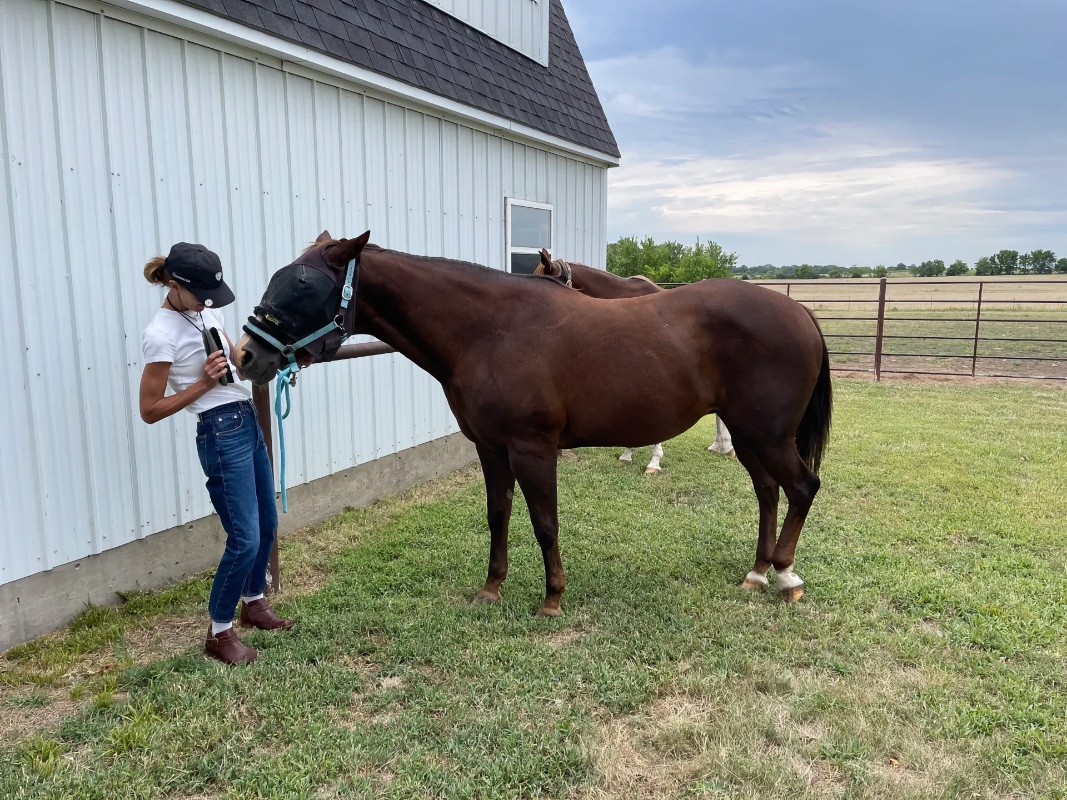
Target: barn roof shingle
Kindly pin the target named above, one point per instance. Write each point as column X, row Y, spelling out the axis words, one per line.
column 419, row 44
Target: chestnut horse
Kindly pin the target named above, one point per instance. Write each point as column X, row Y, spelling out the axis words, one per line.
column 529, row 366
column 605, row 285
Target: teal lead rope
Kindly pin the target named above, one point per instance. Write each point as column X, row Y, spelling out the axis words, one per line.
column 285, row 380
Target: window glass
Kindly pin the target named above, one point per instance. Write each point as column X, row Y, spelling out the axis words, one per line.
column 531, row 227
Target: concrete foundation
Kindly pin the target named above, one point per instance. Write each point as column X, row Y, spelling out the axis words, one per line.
column 47, row 601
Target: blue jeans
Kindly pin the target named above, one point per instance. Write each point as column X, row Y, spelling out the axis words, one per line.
column 241, row 484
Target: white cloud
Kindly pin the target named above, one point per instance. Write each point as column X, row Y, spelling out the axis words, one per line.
column 854, row 195
column 767, row 159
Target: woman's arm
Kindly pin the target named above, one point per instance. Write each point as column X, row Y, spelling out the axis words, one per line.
column 155, row 405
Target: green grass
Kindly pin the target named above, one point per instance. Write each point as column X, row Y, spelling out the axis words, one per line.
column 927, row 659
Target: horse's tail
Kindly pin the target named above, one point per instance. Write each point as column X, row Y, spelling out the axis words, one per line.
column 814, row 430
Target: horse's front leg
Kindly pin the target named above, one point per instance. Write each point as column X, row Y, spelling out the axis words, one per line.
column 499, row 493
column 723, row 443
column 535, row 468
column 627, row 456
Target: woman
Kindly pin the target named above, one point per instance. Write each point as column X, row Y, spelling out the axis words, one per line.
column 228, row 438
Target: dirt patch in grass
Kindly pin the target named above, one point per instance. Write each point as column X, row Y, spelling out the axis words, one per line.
column 824, row 779
column 903, row 778
column 164, row 638
column 18, row 721
column 564, row 638
column 627, row 768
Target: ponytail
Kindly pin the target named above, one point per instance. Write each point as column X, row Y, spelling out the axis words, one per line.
column 155, row 271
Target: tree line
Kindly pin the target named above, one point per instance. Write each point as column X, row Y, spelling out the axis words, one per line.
column 669, row 262
column 674, row 262
column 1004, row 262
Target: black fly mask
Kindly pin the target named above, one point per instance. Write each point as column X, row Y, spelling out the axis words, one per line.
column 306, row 309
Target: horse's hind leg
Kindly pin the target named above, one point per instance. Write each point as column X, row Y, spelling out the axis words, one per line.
column 800, row 485
column 499, row 493
column 536, row 473
column 766, row 489
column 627, row 456
column 723, row 443
column 653, row 465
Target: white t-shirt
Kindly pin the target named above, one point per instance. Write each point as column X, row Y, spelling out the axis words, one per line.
column 175, row 338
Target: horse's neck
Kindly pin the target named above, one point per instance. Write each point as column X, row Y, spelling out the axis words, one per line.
column 426, row 311
column 598, row 283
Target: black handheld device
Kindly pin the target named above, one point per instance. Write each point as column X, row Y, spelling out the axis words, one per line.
column 213, row 343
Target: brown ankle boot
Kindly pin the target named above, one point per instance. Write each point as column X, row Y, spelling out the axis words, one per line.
column 258, row 614
column 227, row 648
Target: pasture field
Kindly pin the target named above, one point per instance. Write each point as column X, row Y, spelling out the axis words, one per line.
column 1005, row 291
column 927, row 660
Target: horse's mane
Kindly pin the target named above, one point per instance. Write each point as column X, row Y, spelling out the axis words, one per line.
column 434, row 260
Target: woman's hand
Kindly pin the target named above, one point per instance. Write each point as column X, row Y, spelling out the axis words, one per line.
column 214, row 368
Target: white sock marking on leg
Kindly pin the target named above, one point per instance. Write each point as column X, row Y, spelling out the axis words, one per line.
column 755, row 577
column 787, row 579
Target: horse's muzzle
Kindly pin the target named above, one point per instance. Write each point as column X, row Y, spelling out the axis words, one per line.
column 255, row 361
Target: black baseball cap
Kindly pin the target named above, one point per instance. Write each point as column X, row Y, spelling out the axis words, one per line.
column 200, row 271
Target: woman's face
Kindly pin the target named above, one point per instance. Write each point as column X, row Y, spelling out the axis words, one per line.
column 187, row 299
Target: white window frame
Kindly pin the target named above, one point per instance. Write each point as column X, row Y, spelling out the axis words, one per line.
column 509, row 202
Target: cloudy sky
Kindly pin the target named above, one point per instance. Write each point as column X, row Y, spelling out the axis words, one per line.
column 835, row 131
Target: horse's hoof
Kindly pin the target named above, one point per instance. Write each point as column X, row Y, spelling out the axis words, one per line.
column 792, row 594
column 750, row 585
column 485, row 598
column 625, row 460
column 652, row 470
column 545, row 611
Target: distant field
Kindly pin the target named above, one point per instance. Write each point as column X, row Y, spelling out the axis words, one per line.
column 911, row 293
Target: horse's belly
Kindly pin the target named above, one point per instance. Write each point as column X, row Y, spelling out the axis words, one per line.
column 603, row 423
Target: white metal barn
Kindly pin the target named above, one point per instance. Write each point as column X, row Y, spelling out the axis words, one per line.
column 461, row 128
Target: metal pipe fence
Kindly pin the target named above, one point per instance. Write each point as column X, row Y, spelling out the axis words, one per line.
column 1046, row 300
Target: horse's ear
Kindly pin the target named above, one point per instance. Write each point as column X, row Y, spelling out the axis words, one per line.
column 545, row 267
column 323, row 237
column 347, row 249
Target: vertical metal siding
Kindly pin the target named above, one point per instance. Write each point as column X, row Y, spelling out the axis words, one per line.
column 175, row 221
column 132, row 229
column 20, row 553
column 94, row 302
column 520, row 24
column 44, row 293
column 118, row 141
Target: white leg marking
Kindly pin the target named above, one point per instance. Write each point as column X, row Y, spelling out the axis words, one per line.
column 657, row 454
column 755, row 577
column 627, row 455
column 787, row 579
column 723, row 443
